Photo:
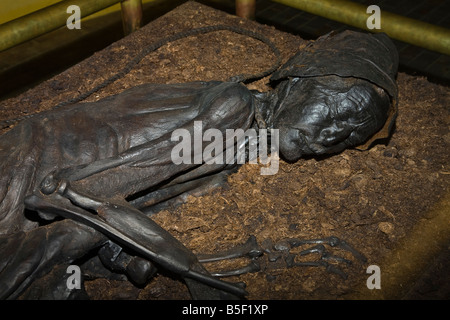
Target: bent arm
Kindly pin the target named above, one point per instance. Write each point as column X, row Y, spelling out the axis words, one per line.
column 217, row 105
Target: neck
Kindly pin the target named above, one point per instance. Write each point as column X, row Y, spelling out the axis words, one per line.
column 269, row 102
column 264, row 104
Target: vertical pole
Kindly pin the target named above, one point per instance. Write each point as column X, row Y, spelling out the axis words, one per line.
column 131, row 15
column 246, row 9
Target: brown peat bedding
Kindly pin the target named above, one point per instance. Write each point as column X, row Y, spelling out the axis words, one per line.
column 387, row 202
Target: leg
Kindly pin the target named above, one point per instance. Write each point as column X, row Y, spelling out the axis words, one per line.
column 26, row 257
column 282, row 249
column 131, row 228
column 249, row 249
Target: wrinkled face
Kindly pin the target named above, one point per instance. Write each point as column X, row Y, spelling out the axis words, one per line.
column 328, row 115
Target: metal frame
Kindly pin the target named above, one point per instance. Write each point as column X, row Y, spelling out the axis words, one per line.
column 246, row 9
column 53, row 17
column 401, row 28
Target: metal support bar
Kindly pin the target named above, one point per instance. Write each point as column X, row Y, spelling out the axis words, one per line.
column 45, row 20
column 397, row 27
column 131, row 15
column 245, row 9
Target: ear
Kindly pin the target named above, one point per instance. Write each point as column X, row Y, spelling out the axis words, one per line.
column 337, row 133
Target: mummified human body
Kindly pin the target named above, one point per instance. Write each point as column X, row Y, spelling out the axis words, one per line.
column 102, row 165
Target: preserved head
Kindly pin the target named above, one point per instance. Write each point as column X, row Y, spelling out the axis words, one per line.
column 325, row 115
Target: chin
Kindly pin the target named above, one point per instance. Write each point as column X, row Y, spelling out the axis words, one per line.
column 290, row 155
